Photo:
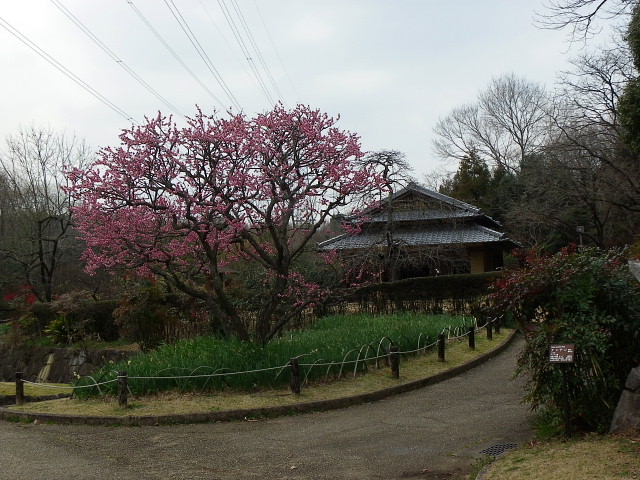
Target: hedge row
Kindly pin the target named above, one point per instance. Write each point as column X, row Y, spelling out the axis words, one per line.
column 443, row 287
column 456, row 294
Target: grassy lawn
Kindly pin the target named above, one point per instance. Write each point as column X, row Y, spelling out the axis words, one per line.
column 176, row 403
column 9, row 388
column 596, row 458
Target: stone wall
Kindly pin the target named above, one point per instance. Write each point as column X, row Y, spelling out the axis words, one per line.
column 54, row 365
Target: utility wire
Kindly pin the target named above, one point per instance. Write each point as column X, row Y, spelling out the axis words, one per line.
column 113, row 56
column 257, row 49
column 224, row 38
column 174, row 54
column 264, row 24
column 201, row 52
column 16, row 33
column 245, row 50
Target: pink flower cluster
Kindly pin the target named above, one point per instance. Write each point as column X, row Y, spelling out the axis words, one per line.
column 192, row 200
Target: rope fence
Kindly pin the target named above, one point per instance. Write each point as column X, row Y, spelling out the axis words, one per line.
column 391, row 354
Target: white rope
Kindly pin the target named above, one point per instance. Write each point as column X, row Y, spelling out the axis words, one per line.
column 223, row 374
column 44, row 385
column 210, row 375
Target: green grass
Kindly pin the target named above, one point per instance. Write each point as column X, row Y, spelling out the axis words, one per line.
column 332, row 339
column 177, row 403
column 595, row 457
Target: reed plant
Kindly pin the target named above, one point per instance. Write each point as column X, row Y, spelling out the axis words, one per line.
column 330, row 347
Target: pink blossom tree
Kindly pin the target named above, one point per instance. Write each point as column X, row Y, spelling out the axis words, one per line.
column 189, row 204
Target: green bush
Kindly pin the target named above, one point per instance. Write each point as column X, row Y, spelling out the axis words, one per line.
column 584, row 296
column 24, row 330
column 442, row 287
column 455, row 294
column 76, row 316
column 149, row 315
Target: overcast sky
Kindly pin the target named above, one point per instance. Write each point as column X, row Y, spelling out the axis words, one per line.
column 389, row 68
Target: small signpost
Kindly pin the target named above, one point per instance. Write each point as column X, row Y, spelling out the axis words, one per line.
column 563, row 354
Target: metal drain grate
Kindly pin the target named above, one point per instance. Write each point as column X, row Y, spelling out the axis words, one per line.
column 498, row 449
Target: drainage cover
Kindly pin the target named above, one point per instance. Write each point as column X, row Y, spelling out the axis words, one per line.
column 498, row 449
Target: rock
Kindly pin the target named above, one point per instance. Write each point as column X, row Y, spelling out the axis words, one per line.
column 54, row 365
column 626, row 418
column 634, row 268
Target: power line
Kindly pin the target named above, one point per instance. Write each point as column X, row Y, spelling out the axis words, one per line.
column 276, row 50
column 16, row 33
column 174, row 54
column 224, row 38
column 243, row 47
column 201, row 52
column 113, row 56
column 256, row 49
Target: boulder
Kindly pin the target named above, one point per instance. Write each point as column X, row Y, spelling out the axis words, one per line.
column 626, row 418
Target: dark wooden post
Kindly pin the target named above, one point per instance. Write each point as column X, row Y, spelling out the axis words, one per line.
column 567, row 407
column 441, row 347
column 295, row 376
column 19, row 389
column 489, row 329
column 123, row 389
column 394, row 360
column 497, row 324
column 472, row 337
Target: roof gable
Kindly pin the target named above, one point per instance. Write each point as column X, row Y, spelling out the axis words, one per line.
column 430, row 197
column 415, row 203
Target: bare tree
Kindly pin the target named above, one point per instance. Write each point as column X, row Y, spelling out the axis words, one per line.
column 589, row 134
column 396, row 174
column 508, row 122
column 581, row 17
column 35, row 223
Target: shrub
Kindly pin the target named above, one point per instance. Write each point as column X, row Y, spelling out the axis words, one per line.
column 150, row 316
column 456, row 294
column 76, row 316
column 24, row 330
column 584, row 296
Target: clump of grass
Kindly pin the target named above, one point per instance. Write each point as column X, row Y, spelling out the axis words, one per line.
column 30, row 390
column 4, row 328
column 332, row 339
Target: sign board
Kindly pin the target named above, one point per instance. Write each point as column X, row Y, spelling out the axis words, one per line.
column 562, row 353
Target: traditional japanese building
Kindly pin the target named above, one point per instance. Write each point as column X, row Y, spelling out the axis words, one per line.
column 419, row 232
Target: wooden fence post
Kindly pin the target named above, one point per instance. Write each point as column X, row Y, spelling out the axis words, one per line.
column 123, row 389
column 295, row 376
column 472, row 337
column 497, row 321
column 19, row 389
column 489, row 329
column 394, row 360
column 441, row 347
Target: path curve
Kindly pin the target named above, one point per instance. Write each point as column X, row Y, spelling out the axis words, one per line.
column 433, row 433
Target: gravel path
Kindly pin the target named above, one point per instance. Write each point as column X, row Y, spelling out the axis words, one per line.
column 433, row 433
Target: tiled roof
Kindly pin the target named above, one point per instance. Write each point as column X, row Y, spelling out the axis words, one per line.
column 467, row 233
column 438, row 196
column 417, row 215
column 448, row 208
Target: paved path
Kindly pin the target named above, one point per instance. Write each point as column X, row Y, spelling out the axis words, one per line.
column 433, row 433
